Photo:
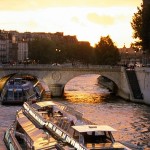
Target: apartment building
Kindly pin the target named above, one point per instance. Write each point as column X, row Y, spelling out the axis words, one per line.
column 130, row 55
column 4, row 48
column 22, row 50
column 12, row 49
column 14, row 45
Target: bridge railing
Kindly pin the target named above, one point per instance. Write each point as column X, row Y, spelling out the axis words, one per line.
column 62, row 66
column 56, row 66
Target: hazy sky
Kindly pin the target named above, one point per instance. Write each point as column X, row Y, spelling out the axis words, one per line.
column 87, row 19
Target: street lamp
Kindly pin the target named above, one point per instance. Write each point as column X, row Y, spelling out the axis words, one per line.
column 135, row 56
column 57, row 54
column 58, row 50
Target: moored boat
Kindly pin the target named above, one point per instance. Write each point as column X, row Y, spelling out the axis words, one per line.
column 19, row 90
column 51, row 125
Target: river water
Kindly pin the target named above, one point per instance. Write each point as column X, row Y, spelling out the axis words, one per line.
column 131, row 120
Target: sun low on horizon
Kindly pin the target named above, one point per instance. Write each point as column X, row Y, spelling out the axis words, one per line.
column 88, row 20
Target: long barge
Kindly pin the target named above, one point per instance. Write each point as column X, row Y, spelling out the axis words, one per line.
column 50, row 125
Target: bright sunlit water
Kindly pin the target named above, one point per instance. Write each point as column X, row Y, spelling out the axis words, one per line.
column 131, row 120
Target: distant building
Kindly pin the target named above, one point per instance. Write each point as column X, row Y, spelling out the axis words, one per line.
column 85, row 43
column 4, row 47
column 130, row 55
column 13, row 50
column 14, row 45
column 22, row 50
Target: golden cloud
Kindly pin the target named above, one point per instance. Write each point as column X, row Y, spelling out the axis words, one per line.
column 100, row 19
column 38, row 4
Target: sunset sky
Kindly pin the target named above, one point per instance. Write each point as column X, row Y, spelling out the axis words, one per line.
column 87, row 19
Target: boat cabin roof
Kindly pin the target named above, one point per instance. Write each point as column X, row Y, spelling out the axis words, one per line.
column 39, row 105
column 91, row 128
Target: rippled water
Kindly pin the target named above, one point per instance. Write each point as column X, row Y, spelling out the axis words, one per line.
column 131, row 120
column 7, row 116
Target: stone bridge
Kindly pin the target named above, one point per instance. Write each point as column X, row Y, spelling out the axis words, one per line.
column 56, row 77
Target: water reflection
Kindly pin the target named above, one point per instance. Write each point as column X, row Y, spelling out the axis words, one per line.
column 81, row 97
column 85, row 89
column 130, row 119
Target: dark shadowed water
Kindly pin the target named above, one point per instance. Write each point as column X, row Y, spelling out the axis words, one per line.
column 131, row 120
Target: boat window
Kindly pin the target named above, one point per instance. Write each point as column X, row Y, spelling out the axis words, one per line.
column 20, row 94
column 17, row 81
column 15, row 94
column 30, row 92
column 96, row 133
column 24, row 81
column 76, row 135
column 100, row 133
column 11, row 82
column 10, row 94
column 109, row 136
column 37, row 90
column 94, row 137
column 26, row 93
column 81, row 139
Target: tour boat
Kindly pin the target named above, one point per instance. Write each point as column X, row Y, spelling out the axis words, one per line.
column 18, row 90
column 50, row 125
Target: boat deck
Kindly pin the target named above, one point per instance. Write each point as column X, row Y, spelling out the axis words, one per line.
column 35, row 135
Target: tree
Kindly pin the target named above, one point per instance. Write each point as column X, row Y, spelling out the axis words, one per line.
column 146, row 26
column 106, row 52
column 84, row 52
column 141, row 27
column 137, row 27
column 42, row 50
column 78, row 52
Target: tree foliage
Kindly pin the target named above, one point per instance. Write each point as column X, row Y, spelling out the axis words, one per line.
column 41, row 50
column 137, row 27
column 47, row 51
column 141, row 27
column 106, row 52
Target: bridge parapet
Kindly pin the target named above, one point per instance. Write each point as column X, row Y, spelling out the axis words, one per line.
column 61, row 67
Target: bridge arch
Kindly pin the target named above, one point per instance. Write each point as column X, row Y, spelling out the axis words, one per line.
column 102, row 80
column 108, row 83
column 84, row 77
column 61, row 78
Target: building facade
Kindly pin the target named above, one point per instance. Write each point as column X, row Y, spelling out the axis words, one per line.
column 22, row 51
column 4, row 48
column 130, row 56
column 14, row 45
